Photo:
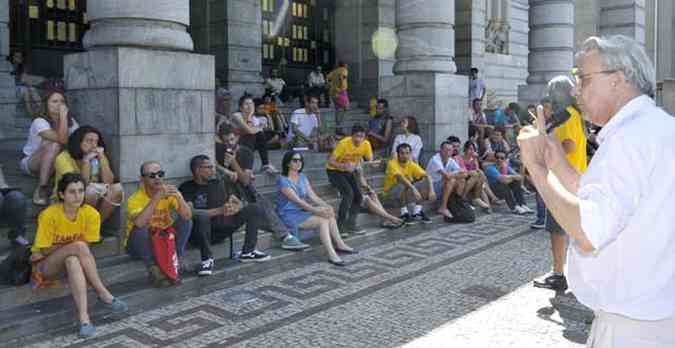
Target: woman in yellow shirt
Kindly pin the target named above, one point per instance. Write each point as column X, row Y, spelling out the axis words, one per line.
column 85, row 155
column 61, row 247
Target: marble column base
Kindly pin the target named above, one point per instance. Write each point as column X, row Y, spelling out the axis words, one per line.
column 149, row 105
column 438, row 101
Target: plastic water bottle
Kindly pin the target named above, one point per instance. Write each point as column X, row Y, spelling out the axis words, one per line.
column 95, row 167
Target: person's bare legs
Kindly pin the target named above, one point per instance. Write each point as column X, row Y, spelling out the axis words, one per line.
column 470, row 184
column 324, row 235
column 559, row 248
column 76, row 259
column 335, row 235
column 448, row 186
column 41, row 162
column 375, row 206
column 78, row 286
column 115, row 195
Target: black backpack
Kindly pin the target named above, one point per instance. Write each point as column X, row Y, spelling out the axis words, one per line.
column 16, row 268
column 460, row 209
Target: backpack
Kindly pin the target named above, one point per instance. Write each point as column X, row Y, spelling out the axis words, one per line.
column 460, row 209
column 16, row 268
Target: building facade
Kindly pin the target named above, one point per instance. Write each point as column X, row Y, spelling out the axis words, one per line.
column 416, row 51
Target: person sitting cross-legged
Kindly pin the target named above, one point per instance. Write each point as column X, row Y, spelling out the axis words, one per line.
column 506, row 184
column 61, row 250
column 151, row 209
column 406, row 185
column 218, row 213
column 299, row 207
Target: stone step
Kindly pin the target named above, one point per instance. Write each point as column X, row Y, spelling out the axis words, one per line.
column 25, row 312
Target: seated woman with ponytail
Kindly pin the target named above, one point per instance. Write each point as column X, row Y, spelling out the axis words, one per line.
column 85, row 155
column 61, row 250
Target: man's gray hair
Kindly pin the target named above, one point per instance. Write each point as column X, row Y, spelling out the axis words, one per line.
column 561, row 90
column 624, row 54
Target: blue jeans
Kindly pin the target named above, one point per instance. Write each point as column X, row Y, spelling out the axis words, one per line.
column 139, row 245
column 13, row 210
column 541, row 210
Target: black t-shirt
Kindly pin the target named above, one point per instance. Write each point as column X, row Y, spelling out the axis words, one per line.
column 208, row 196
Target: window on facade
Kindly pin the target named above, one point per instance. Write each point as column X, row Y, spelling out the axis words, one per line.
column 267, row 5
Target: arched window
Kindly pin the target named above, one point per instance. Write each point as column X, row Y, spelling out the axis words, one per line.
column 497, row 26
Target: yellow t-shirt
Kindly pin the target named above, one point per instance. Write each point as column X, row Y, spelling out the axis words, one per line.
column 345, row 152
column 63, row 164
column 54, row 228
column 573, row 130
column 411, row 171
column 161, row 217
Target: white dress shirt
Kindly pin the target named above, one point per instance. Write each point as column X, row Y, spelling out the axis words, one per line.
column 627, row 207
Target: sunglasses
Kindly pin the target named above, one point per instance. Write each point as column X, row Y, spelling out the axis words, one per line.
column 296, row 159
column 159, row 174
column 500, row 157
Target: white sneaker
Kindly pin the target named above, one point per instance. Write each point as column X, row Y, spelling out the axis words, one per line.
column 518, row 210
column 526, row 209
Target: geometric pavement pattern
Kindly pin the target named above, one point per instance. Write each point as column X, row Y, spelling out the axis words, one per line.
column 215, row 320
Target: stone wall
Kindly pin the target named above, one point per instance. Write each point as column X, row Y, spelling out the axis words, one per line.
column 626, row 17
column 359, row 20
column 504, row 73
column 11, row 124
column 231, row 31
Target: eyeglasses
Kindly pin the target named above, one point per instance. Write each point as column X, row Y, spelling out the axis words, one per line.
column 295, row 159
column 580, row 78
column 500, row 157
column 206, row 167
column 159, row 174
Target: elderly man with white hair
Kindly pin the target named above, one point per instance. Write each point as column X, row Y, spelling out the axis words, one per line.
column 618, row 214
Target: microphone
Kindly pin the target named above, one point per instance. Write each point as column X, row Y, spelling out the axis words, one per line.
column 557, row 119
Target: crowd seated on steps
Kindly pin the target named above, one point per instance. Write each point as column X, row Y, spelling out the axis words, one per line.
column 221, row 196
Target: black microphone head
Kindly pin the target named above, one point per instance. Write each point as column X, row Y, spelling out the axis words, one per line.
column 560, row 116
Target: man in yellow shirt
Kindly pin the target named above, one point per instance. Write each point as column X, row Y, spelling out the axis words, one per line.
column 573, row 139
column 406, row 185
column 342, row 165
column 151, row 207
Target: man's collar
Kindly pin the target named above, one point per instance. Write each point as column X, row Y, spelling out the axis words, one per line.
column 624, row 115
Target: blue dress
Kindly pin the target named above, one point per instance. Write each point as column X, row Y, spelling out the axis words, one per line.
column 290, row 213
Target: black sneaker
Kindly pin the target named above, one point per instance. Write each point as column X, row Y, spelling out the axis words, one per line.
column 421, row 217
column 407, row 219
column 254, row 256
column 553, row 282
column 206, row 268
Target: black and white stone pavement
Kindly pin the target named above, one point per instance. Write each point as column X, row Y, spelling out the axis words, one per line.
column 433, row 285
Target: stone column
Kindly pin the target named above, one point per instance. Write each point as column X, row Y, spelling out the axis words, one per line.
column 424, row 84
column 8, row 98
column 625, row 17
column 551, row 46
column 141, row 86
column 361, row 23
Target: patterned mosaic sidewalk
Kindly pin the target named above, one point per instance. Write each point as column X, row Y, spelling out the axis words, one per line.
column 396, row 292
